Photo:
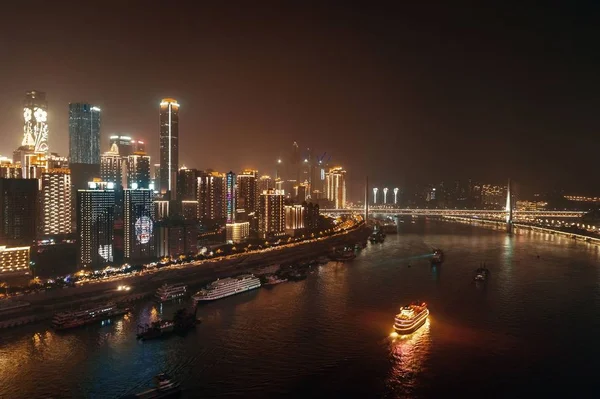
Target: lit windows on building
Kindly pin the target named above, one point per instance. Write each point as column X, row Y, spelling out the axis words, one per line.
column 95, row 225
column 230, row 197
column 169, row 145
column 56, row 202
column 211, row 195
column 336, row 187
column 247, row 190
column 84, row 134
column 271, row 221
column 138, row 224
column 237, row 232
column 294, row 219
column 14, row 261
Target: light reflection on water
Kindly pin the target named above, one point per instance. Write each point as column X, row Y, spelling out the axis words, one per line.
column 328, row 333
column 407, row 356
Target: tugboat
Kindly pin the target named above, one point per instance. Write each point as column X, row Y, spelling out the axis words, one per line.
column 411, row 318
column 165, row 388
column 481, row 274
column 438, row 256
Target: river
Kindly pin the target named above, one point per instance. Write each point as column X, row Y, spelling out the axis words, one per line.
column 530, row 330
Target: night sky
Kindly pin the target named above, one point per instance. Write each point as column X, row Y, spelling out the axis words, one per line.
column 399, row 93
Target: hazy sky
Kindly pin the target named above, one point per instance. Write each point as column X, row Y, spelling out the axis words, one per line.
column 398, row 93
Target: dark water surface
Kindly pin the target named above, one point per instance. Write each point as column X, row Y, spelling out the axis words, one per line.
column 531, row 330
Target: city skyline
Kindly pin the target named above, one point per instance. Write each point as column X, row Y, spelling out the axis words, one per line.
column 375, row 98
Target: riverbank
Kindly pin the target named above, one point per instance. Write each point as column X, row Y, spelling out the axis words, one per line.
column 43, row 305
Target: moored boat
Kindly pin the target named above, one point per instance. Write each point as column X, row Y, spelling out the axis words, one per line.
column 156, row 329
column 343, row 255
column 82, row 317
column 170, row 292
column 411, row 318
column 222, row 288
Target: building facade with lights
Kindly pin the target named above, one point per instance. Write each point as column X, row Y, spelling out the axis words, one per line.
column 271, row 219
column 56, row 202
column 14, row 261
column 84, row 134
column 169, row 145
column 18, row 211
column 336, row 187
column 294, row 219
column 113, row 167
column 95, row 225
column 211, row 196
column 138, row 224
column 230, row 197
column 236, row 233
column 138, row 170
column 187, row 184
column 247, row 191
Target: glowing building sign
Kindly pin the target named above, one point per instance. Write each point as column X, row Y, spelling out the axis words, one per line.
column 143, row 229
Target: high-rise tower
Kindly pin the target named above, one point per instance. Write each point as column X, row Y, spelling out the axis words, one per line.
column 336, row 187
column 35, row 128
column 84, row 134
column 230, row 197
column 56, row 202
column 169, row 145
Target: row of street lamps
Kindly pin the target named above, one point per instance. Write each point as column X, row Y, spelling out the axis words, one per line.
column 385, row 191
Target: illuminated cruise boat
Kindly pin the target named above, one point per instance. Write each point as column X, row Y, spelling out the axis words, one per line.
column 169, row 292
column 410, row 318
column 226, row 287
column 78, row 318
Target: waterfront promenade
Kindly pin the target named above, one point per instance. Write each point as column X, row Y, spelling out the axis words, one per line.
column 194, row 274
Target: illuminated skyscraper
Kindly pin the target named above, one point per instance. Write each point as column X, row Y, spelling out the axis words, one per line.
column 230, row 197
column 125, row 144
column 95, row 226
column 211, row 195
column 271, row 219
column 187, row 184
column 138, row 170
column 56, row 202
column 265, row 183
column 84, row 134
column 247, row 191
column 138, row 224
column 336, row 187
column 113, row 167
column 35, row 129
column 169, row 145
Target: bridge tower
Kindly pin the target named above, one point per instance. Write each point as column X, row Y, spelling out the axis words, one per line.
column 509, row 209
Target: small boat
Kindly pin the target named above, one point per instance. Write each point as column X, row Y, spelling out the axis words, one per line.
column 411, row 318
column 345, row 254
column 377, row 237
column 481, row 274
column 273, row 279
column 438, row 256
column 165, row 388
column 155, row 330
